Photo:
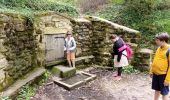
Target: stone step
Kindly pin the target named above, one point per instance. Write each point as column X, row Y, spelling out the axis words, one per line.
column 84, row 59
column 63, row 71
column 30, row 77
column 78, row 60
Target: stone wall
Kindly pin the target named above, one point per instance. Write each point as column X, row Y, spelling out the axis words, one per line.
column 82, row 30
column 143, row 59
column 23, row 43
column 101, row 44
column 17, row 48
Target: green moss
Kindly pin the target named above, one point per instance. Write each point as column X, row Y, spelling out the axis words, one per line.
column 55, row 71
column 8, row 81
column 1, row 87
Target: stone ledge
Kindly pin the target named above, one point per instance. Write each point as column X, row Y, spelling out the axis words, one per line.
column 145, row 50
column 55, row 62
column 13, row 89
column 116, row 26
column 85, row 57
column 59, row 62
column 82, row 20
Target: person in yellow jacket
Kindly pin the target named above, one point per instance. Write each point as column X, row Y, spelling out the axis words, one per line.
column 159, row 70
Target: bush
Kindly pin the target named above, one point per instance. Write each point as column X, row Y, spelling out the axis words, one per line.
column 91, row 5
column 25, row 6
column 139, row 14
column 110, row 13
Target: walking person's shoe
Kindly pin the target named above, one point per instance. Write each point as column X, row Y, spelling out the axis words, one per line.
column 118, row 78
column 115, row 74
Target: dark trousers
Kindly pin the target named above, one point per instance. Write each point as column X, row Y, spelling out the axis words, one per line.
column 119, row 70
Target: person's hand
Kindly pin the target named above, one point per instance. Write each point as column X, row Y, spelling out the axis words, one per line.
column 151, row 75
column 166, row 84
column 68, row 51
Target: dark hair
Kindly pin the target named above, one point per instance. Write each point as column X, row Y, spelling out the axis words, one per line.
column 113, row 36
column 163, row 36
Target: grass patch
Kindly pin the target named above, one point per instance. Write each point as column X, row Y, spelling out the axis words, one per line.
column 29, row 90
column 130, row 69
column 29, row 8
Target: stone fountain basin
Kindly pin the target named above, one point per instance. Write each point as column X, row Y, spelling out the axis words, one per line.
column 79, row 79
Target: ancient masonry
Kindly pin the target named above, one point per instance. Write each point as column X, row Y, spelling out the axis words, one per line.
column 26, row 45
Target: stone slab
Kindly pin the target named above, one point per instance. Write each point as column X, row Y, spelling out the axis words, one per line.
column 61, row 82
column 13, row 89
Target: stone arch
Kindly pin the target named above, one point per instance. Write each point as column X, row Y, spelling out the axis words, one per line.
column 48, row 26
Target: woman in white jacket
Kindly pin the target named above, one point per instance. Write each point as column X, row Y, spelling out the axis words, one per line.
column 70, row 48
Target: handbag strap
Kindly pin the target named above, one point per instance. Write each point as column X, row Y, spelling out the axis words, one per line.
column 167, row 55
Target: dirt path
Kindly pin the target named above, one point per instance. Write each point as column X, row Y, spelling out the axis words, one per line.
column 131, row 87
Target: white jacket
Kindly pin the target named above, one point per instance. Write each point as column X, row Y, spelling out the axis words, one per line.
column 70, row 45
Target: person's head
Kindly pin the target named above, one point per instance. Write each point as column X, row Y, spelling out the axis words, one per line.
column 161, row 38
column 69, row 34
column 113, row 37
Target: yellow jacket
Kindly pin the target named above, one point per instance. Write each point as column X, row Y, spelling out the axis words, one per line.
column 160, row 63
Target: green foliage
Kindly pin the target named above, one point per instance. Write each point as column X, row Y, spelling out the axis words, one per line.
column 29, row 90
column 162, row 19
column 117, row 1
column 26, row 92
column 5, row 98
column 110, row 13
column 139, row 14
column 28, row 7
column 147, row 16
column 130, row 69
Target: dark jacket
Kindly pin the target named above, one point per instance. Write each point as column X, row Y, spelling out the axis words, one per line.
column 119, row 43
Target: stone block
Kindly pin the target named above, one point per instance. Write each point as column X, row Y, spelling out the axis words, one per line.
column 79, row 30
column 78, row 52
column 83, row 27
column 4, row 18
column 86, row 30
column 55, row 19
column 63, row 71
column 2, row 76
column 19, row 25
column 3, row 63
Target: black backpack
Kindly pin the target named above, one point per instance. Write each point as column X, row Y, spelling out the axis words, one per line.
column 167, row 55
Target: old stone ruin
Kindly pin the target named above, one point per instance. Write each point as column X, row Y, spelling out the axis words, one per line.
column 28, row 47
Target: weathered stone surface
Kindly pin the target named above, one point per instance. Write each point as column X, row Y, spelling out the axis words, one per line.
column 63, row 71
column 78, row 52
column 17, row 48
column 2, row 76
column 20, row 27
column 146, row 51
column 30, row 77
column 3, row 63
column 4, row 18
column 142, row 59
